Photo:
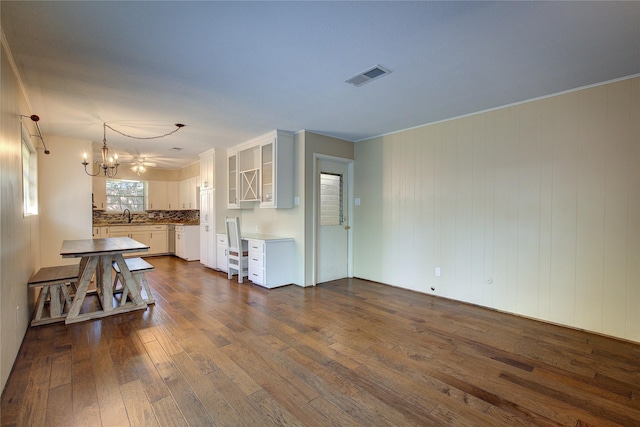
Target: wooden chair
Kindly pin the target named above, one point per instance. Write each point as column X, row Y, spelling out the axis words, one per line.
column 55, row 282
column 238, row 252
column 138, row 267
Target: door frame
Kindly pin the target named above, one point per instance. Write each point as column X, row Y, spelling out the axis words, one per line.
column 348, row 199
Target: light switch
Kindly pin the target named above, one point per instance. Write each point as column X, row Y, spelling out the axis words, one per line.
column 296, row 200
column 357, row 201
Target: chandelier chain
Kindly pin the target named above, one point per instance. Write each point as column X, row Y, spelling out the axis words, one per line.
column 178, row 126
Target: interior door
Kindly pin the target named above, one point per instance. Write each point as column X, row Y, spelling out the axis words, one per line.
column 332, row 221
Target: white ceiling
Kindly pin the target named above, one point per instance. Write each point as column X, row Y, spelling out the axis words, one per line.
column 232, row 71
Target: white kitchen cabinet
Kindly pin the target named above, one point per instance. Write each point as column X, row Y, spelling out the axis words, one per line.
column 276, row 170
column 173, row 196
column 221, row 252
column 139, row 233
column 207, row 228
column 157, row 196
column 249, row 173
column 270, row 260
column 100, row 232
column 261, row 170
column 99, row 187
column 207, row 162
column 232, row 180
column 188, row 242
column 158, row 239
column 188, row 192
column 120, row 231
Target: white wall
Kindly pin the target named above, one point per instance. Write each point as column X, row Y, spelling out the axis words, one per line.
column 65, row 198
column 540, row 199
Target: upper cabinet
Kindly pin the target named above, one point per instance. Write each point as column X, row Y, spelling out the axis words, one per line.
column 157, row 196
column 249, row 174
column 276, row 171
column 99, row 187
column 188, row 192
column 261, row 170
column 173, row 196
column 232, row 180
column 207, row 161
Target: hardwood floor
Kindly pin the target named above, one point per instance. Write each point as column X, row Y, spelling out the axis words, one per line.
column 350, row 352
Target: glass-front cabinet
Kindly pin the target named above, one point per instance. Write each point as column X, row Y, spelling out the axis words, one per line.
column 232, row 183
column 261, row 170
column 266, row 154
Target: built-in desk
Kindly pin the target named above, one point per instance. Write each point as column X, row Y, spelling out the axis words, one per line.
column 271, row 259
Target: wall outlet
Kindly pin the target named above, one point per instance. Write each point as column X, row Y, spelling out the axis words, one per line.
column 437, row 271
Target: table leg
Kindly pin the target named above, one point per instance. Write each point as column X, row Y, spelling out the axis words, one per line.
column 54, row 304
column 88, row 267
column 106, row 289
column 128, row 280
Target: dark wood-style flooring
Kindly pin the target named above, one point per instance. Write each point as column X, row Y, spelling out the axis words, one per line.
column 213, row 352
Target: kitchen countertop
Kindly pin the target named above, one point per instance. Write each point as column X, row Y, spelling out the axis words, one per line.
column 264, row 237
column 110, row 224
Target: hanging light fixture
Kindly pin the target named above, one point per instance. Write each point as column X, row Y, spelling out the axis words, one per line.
column 138, row 167
column 109, row 165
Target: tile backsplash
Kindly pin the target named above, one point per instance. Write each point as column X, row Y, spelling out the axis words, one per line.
column 150, row 217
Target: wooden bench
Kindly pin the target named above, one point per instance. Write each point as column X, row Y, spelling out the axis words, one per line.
column 55, row 282
column 138, row 267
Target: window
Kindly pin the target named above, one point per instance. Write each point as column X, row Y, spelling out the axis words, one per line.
column 330, row 199
column 125, row 194
column 29, row 175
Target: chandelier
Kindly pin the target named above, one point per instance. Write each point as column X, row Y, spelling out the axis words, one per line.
column 109, row 164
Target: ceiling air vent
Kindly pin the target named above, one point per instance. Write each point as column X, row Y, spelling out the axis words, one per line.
column 368, row 75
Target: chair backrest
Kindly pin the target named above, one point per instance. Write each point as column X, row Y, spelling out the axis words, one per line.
column 233, row 234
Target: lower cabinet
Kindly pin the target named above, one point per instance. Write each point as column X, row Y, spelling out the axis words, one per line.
column 221, row 252
column 155, row 236
column 188, row 242
column 139, row 233
column 158, row 239
column 271, row 261
column 100, row 232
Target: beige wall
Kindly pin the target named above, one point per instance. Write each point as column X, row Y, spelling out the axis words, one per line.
column 532, row 209
column 19, row 248
column 278, row 222
column 65, row 198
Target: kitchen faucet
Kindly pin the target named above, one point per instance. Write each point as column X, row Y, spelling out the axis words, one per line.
column 125, row 212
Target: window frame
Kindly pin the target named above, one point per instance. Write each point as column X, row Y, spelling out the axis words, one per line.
column 332, row 214
column 143, row 198
column 29, row 166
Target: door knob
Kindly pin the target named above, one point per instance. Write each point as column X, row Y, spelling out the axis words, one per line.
column 346, row 227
